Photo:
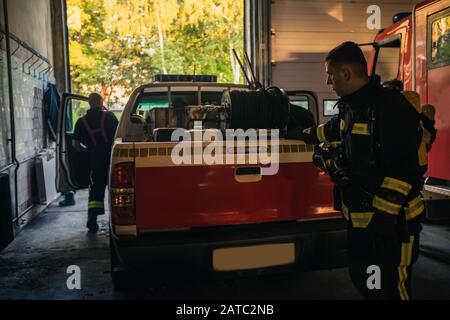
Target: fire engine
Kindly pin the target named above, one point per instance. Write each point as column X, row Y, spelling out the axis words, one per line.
column 416, row 51
column 221, row 218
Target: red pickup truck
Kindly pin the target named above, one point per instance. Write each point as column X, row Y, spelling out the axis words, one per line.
column 220, row 218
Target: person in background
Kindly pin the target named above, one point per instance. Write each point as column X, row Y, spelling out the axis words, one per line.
column 95, row 132
column 69, row 199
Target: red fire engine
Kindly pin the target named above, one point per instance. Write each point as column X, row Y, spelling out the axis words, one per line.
column 416, row 50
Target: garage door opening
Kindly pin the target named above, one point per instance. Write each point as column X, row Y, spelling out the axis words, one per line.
column 115, row 46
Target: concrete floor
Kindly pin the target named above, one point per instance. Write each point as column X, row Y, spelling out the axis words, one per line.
column 34, row 267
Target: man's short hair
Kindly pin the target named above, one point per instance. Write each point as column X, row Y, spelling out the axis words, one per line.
column 95, row 100
column 351, row 54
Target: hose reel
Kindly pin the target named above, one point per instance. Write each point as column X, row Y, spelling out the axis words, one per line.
column 258, row 109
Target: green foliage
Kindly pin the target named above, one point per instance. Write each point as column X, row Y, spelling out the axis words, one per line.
column 117, row 45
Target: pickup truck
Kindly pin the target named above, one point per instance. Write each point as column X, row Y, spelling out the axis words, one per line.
column 221, row 218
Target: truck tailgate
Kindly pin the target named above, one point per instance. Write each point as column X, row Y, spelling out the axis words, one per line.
column 170, row 196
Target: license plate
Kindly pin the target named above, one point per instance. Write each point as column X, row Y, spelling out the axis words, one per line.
column 253, row 257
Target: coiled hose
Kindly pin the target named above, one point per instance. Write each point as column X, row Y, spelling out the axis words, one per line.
column 258, row 109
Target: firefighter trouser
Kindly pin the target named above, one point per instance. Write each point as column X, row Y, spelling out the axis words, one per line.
column 97, row 186
column 394, row 258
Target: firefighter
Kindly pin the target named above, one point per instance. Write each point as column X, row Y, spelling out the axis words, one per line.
column 380, row 178
column 95, row 131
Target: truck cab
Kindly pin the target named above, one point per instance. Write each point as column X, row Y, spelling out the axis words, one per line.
column 221, row 217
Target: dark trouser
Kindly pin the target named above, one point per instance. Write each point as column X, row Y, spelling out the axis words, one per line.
column 98, row 183
column 394, row 257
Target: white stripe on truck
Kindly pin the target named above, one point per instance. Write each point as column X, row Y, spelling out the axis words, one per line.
column 160, row 154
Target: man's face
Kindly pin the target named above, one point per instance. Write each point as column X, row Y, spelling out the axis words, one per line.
column 338, row 78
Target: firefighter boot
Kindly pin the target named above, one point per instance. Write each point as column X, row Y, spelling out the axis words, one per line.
column 92, row 222
column 69, row 199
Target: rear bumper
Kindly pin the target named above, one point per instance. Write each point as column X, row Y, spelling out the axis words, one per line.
column 318, row 245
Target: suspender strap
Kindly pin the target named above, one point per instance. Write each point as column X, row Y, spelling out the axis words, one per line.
column 91, row 132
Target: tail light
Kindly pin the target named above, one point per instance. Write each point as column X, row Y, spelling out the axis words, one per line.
column 122, row 194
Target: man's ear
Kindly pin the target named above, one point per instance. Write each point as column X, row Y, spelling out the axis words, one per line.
column 346, row 72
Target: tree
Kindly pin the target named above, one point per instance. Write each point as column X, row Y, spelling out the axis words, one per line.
column 117, row 45
column 208, row 32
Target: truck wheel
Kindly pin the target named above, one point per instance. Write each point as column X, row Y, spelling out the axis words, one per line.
column 121, row 279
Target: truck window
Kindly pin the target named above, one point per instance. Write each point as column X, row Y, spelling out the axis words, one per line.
column 439, row 40
column 161, row 100
column 300, row 101
column 211, row 98
column 388, row 62
column 329, row 107
column 77, row 109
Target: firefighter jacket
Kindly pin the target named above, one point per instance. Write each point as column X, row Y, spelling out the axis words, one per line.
column 380, row 134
